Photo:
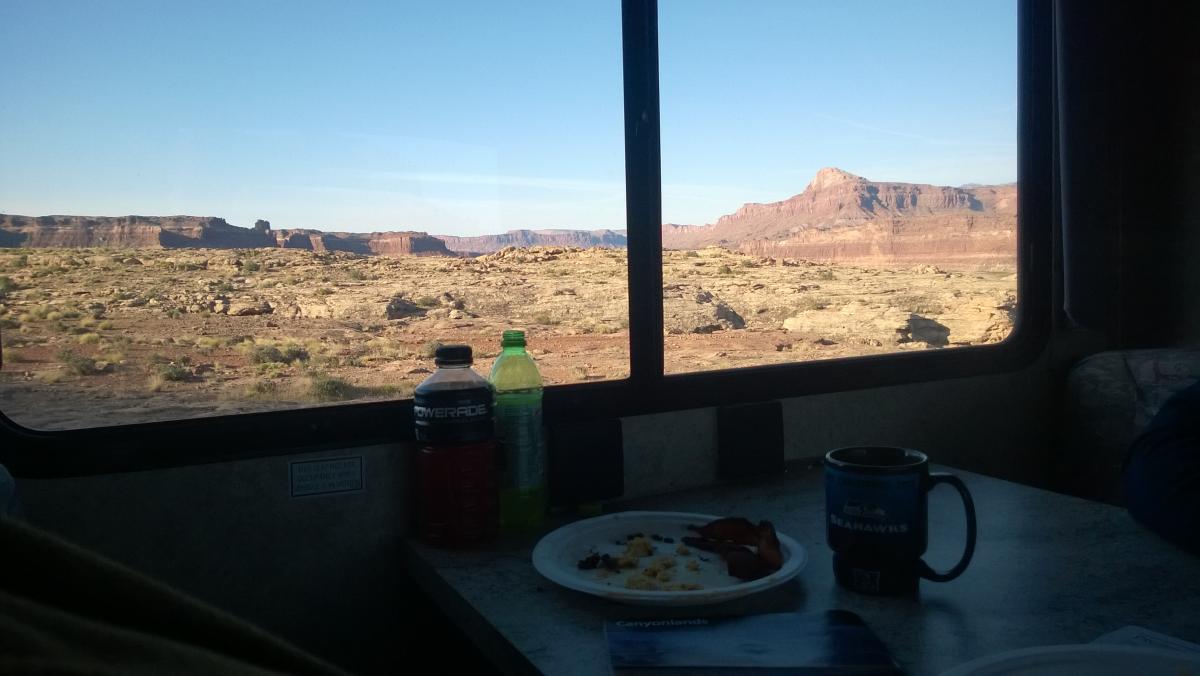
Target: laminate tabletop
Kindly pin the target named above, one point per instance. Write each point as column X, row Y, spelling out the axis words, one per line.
column 1048, row 569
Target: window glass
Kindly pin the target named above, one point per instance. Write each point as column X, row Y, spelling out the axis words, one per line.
column 838, row 178
column 226, row 207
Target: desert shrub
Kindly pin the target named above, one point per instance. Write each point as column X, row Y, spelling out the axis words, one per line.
column 251, row 266
column 382, row 348
column 14, row 357
column 325, row 291
column 544, row 318
column 429, row 348
column 261, row 389
column 47, row 271
column 824, row 274
column 692, row 254
column 322, row 387
column 105, row 325
column 88, row 338
column 271, row 369
column 325, row 362
column 208, row 342
column 811, row 303
column 53, row 316
column 917, row 304
column 292, row 352
column 264, row 354
column 78, row 364
column 7, row 285
column 112, row 356
column 86, row 322
column 425, row 301
column 172, row 372
column 357, row 275
column 51, row 376
column 724, row 270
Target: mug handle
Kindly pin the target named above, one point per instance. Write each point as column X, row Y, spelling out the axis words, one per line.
column 928, row 573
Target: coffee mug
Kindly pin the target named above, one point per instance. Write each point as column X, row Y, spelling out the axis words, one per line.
column 877, row 518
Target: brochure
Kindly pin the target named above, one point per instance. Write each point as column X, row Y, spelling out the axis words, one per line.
column 834, row 642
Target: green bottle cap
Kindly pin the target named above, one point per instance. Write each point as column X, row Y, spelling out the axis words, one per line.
column 513, row 339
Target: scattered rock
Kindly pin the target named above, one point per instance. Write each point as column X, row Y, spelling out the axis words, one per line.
column 249, row 308
column 924, row 330
column 399, row 308
column 691, row 310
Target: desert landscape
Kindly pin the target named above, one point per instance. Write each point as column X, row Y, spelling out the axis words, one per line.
column 109, row 321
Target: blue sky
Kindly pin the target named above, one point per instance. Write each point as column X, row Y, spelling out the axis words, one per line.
column 470, row 118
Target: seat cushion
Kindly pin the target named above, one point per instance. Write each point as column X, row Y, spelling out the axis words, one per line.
column 1110, row 398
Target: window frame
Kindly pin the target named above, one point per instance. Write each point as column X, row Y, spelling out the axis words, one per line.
column 193, row 441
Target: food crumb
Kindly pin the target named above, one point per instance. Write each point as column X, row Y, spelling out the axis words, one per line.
column 639, row 546
column 683, row 586
column 641, row 582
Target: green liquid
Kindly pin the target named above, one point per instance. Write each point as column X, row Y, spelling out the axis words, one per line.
column 523, row 494
column 522, row 510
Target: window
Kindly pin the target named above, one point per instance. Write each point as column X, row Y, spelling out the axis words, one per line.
column 322, row 196
column 450, row 125
column 839, row 179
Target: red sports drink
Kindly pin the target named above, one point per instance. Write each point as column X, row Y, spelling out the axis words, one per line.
column 456, row 460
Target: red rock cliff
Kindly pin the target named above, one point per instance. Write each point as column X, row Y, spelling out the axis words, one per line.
column 195, row 231
column 843, row 217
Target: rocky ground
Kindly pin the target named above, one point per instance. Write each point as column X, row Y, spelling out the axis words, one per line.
column 104, row 337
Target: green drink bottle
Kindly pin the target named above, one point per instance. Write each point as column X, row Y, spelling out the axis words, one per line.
column 518, row 387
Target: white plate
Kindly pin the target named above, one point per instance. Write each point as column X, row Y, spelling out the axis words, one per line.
column 1083, row 660
column 558, row 554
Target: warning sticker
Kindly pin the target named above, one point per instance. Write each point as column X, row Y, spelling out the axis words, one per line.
column 325, row 476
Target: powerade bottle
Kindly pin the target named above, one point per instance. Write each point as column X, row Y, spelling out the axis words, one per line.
column 518, row 388
column 456, row 459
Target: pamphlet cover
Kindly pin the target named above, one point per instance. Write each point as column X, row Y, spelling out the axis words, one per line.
column 833, row 642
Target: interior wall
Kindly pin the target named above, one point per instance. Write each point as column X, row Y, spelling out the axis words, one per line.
column 1000, row 425
column 320, row 571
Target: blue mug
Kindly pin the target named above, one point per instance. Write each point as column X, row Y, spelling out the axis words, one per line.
column 877, row 518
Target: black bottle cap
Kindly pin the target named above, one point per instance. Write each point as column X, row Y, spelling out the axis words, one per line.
column 453, row 355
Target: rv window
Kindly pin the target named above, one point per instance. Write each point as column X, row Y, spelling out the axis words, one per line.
column 230, row 207
column 683, row 205
column 838, row 179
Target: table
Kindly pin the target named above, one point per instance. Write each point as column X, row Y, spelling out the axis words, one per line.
column 1048, row 569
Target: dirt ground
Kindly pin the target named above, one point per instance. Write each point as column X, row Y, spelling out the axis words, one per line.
column 96, row 337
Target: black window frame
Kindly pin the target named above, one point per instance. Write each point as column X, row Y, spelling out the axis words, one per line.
column 174, row 443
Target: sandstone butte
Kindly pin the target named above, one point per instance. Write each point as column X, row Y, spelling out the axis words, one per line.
column 839, row 217
column 191, row 232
